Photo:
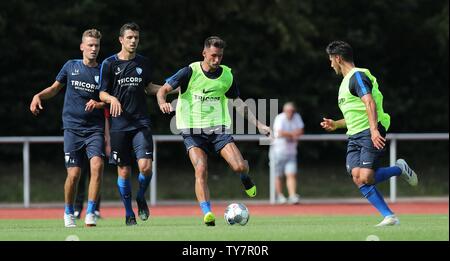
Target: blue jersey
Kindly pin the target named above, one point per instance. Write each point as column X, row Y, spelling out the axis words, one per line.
column 81, row 85
column 126, row 80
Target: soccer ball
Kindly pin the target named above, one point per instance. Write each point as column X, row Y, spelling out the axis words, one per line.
column 236, row 213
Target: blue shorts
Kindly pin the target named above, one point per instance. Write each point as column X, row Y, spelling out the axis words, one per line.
column 207, row 142
column 76, row 143
column 361, row 153
column 125, row 144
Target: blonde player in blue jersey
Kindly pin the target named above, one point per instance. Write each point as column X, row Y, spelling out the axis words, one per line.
column 203, row 118
column 83, row 123
column 361, row 103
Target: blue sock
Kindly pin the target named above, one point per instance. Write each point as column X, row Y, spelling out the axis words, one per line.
column 68, row 209
column 125, row 193
column 206, row 207
column 383, row 174
column 90, row 207
column 376, row 199
column 144, row 181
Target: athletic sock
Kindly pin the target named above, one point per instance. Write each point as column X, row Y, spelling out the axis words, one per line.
column 246, row 181
column 125, row 193
column 90, row 207
column 144, row 181
column 68, row 209
column 205, row 206
column 383, row 174
column 376, row 199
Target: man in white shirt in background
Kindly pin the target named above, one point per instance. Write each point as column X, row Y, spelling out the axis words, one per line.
column 288, row 127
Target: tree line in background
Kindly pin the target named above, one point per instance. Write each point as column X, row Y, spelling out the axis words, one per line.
column 276, row 50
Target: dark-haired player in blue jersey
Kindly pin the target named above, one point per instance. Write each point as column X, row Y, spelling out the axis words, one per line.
column 83, row 122
column 125, row 79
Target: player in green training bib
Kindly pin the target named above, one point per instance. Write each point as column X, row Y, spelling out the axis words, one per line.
column 361, row 103
column 202, row 116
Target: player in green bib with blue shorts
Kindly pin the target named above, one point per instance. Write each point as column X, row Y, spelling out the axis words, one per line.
column 361, row 103
column 202, row 116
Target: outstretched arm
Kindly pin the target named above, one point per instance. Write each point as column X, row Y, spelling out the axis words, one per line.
column 47, row 93
column 245, row 112
column 152, row 88
column 331, row 125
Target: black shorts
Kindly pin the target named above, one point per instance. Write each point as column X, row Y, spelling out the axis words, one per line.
column 207, row 142
column 361, row 153
column 126, row 143
column 77, row 143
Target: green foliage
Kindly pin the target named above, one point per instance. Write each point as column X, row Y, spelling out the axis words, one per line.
column 276, row 50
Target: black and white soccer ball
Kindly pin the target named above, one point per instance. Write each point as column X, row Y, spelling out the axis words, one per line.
column 236, row 213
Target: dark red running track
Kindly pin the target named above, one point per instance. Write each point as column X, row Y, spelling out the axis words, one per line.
column 263, row 209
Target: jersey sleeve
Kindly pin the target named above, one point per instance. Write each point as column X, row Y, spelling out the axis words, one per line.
column 360, row 84
column 180, row 78
column 105, row 74
column 62, row 75
column 233, row 92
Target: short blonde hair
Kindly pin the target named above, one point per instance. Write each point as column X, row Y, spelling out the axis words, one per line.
column 92, row 33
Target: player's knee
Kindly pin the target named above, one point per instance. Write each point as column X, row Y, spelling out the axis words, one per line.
column 366, row 180
column 356, row 181
column 96, row 163
column 356, row 178
column 145, row 166
column 73, row 173
column 201, row 169
column 73, row 178
column 241, row 167
column 123, row 172
column 146, row 169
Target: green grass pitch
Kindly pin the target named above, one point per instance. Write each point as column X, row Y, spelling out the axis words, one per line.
column 259, row 228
